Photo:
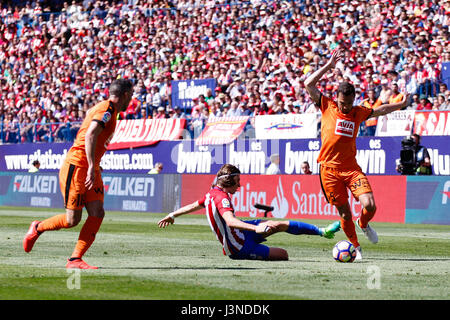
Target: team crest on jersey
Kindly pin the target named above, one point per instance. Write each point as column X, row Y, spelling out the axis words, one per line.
column 106, row 117
column 345, row 128
column 226, row 203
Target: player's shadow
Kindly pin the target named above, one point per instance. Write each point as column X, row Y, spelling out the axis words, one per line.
column 414, row 259
column 181, row 268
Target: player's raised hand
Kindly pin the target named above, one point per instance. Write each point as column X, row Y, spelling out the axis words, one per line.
column 336, row 55
column 166, row 221
column 405, row 100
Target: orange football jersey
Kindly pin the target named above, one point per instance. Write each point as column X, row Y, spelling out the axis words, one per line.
column 338, row 132
column 106, row 116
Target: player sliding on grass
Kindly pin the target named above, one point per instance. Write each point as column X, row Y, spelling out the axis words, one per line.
column 242, row 239
column 338, row 167
column 80, row 177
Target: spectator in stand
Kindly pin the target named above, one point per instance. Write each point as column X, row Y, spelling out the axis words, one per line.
column 10, row 129
column 372, row 102
column 154, row 100
column 35, row 165
column 305, row 168
column 442, row 102
column 133, row 108
column 67, row 55
column 234, row 111
column 396, row 95
column 385, row 92
column 40, row 122
column 424, row 103
column 415, row 101
column 161, row 113
column 179, row 114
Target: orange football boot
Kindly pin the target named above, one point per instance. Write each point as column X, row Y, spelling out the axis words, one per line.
column 31, row 236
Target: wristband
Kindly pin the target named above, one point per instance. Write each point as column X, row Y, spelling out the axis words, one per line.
column 171, row 215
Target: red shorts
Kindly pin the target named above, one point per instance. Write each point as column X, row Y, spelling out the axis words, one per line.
column 71, row 182
column 335, row 182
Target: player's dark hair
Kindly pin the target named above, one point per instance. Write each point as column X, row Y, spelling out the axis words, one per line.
column 120, row 86
column 225, row 176
column 346, row 88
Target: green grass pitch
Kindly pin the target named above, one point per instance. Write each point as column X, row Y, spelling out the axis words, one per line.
column 138, row 260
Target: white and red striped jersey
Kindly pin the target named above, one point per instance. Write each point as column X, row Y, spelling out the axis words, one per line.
column 216, row 202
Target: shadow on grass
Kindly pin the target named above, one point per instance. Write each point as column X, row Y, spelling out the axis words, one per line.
column 413, row 259
column 181, row 268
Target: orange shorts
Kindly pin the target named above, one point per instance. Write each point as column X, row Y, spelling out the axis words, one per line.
column 71, row 182
column 335, row 182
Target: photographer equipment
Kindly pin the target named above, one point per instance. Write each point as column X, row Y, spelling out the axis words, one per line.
column 408, row 156
column 266, row 209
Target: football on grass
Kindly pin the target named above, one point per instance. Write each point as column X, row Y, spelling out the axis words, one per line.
column 344, row 251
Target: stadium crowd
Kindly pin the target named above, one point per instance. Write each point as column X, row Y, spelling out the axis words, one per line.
column 57, row 63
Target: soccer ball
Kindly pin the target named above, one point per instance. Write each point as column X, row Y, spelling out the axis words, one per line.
column 344, row 251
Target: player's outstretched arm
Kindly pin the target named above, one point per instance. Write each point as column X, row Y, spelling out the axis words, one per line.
column 388, row 108
column 234, row 222
column 311, row 81
column 170, row 218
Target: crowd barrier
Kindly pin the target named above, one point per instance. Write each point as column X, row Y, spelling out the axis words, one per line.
column 400, row 199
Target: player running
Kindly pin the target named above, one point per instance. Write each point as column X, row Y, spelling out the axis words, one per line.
column 242, row 239
column 338, row 167
column 80, row 175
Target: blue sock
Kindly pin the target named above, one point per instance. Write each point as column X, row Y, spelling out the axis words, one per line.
column 297, row 227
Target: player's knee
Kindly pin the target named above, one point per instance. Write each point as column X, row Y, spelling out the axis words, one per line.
column 278, row 254
column 73, row 221
column 371, row 207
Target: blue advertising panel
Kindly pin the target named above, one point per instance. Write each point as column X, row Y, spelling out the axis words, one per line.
column 145, row 193
column 184, row 91
column 375, row 155
column 428, row 200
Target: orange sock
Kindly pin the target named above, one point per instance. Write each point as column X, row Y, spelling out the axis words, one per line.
column 349, row 229
column 54, row 223
column 365, row 217
column 87, row 236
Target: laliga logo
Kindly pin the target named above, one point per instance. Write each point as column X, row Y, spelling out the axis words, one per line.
column 446, row 192
column 280, row 203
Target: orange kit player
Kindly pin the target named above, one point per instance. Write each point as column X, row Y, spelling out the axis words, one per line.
column 338, row 167
column 80, row 178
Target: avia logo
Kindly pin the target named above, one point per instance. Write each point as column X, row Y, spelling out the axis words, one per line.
column 283, row 126
column 344, row 128
column 279, row 203
column 446, row 192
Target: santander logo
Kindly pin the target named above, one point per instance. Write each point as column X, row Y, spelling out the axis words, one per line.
column 280, row 203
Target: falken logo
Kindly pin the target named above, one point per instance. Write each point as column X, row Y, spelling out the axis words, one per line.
column 283, row 126
column 345, row 128
column 35, row 184
column 129, row 186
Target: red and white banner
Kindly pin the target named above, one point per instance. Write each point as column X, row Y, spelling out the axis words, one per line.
column 397, row 123
column 300, row 196
column 432, row 123
column 144, row 132
column 286, row 126
column 221, row 130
